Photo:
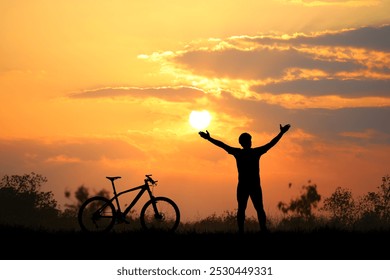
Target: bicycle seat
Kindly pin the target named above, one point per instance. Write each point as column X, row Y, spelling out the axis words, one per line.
column 113, row 178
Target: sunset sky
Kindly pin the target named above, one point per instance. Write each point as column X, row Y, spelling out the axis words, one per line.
column 90, row 89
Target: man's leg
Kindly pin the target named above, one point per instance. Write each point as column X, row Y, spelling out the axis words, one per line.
column 257, row 200
column 242, row 199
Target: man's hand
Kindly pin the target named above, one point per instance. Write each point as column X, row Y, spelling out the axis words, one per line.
column 205, row 135
column 284, row 129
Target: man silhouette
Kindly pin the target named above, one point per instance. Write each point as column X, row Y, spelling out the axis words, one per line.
column 248, row 167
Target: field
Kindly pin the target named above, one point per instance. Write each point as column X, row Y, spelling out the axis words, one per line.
column 323, row 244
column 350, row 230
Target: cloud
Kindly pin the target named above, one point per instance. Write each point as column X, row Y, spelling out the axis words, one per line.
column 269, row 51
column 368, row 134
column 252, row 75
column 352, row 63
column 369, row 37
column 174, row 94
column 348, row 3
column 328, row 124
column 25, row 152
column 257, row 64
column 346, row 88
column 62, row 159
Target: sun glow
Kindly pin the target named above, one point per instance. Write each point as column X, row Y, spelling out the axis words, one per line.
column 200, row 119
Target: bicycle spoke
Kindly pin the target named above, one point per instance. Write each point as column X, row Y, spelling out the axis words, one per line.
column 96, row 215
column 166, row 219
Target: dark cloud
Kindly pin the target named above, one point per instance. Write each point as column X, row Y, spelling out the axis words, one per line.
column 345, row 88
column 374, row 38
column 31, row 152
column 174, row 94
column 328, row 124
column 273, row 57
column 258, row 64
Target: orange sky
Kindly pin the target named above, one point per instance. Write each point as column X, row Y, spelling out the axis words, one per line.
column 104, row 88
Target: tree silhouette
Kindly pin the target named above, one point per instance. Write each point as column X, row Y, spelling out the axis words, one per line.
column 342, row 207
column 81, row 194
column 303, row 205
column 22, row 202
column 374, row 207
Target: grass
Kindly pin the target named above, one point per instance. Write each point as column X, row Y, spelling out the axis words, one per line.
column 322, row 243
column 214, row 237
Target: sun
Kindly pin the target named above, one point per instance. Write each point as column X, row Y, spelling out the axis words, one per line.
column 200, row 119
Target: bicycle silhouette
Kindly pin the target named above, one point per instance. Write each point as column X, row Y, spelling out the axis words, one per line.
column 98, row 213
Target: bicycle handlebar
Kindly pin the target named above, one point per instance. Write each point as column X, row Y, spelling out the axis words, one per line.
column 149, row 178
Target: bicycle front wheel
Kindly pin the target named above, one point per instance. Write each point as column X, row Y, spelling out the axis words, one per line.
column 160, row 213
column 96, row 214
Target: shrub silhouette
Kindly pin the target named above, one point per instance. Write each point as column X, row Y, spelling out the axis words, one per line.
column 378, row 202
column 303, row 205
column 81, row 194
column 342, row 208
column 369, row 212
column 23, row 204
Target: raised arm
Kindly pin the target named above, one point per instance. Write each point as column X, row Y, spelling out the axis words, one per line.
column 206, row 135
column 283, row 130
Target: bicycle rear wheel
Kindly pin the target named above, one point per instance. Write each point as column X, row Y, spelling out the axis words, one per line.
column 167, row 217
column 96, row 214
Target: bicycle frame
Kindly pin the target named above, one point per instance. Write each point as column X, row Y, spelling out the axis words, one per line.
column 142, row 188
column 100, row 214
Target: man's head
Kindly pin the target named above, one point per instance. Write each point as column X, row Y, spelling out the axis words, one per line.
column 245, row 140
